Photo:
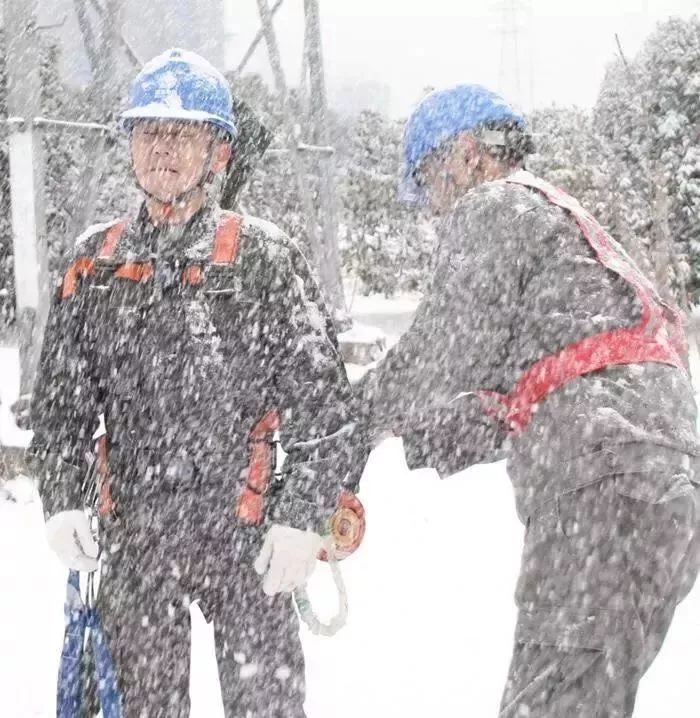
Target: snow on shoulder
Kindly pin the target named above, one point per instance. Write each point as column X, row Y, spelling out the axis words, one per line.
column 92, row 230
column 275, row 238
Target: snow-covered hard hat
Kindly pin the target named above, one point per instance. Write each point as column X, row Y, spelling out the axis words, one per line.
column 180, row 85
column 444, row 114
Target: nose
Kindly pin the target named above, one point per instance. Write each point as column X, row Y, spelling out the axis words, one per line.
column 162, row 147
column 164, row 144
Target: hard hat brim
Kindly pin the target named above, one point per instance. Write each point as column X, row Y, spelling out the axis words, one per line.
column 157, row 111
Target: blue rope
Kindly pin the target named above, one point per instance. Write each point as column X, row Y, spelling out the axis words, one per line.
column 80, row 618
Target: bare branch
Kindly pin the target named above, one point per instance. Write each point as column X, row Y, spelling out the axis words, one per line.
column 622, row 54
column 126, row 45
column 256, row 41
column 88, row 35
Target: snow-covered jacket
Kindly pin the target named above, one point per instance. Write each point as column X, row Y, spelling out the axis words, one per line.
column 185, row 356
column 515, row 281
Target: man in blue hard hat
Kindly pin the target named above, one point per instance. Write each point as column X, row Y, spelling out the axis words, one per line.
column 539, row 339
column 183, row 347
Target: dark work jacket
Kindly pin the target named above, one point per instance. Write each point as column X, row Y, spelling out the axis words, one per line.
column 182, row 375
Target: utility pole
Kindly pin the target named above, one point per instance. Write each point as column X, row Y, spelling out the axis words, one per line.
column 26, row 182
column 290, row 128
column 103, row 60
column 322, row 231
column 318, row 111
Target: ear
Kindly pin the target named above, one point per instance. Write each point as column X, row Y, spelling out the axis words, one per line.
column 222, row 155
column 469, row 150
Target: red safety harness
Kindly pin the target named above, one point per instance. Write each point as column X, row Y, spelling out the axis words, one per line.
column 658, row 337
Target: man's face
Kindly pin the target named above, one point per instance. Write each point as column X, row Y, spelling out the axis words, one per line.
column 438, row 184
column 447, row 173
column 171, row 158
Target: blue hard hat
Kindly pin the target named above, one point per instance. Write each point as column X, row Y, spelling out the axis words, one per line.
column 441, row 116
column 180, row 85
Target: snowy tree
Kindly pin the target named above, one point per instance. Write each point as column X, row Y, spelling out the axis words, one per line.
column 384, row 245
column 64, row 153
column 272, row 190
column 567, row 152
column 7, row 301
column 648, row 112
column 572, row 154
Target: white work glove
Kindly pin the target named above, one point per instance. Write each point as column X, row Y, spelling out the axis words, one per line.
column 287, row 558
column 71, row 539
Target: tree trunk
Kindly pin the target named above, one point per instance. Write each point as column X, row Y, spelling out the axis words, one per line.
column 330, row 254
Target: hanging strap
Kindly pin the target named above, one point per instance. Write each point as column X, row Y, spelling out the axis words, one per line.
column 69, row 688
column 105, row 673
column 105, row 503
column 303, row 602
column 250, row 507
column 81, row 617
column 346, row 525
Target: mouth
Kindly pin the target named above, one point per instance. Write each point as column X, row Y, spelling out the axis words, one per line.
column 163, row 170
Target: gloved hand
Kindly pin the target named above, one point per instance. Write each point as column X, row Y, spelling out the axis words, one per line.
column 71, row 539
column 287, row 558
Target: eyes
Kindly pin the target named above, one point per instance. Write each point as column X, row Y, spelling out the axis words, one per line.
column 182, row 132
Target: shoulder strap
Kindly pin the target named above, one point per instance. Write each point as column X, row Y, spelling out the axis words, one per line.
column 111, row 241
column 83, row 266
column 227, row 239
column 656, row 313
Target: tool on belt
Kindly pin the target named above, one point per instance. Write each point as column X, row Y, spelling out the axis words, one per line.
column 346, row 527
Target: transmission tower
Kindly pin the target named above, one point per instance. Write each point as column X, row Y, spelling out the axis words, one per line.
column 515, row 76
column 321, row 225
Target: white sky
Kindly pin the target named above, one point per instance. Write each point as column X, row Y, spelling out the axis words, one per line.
column 563, row 46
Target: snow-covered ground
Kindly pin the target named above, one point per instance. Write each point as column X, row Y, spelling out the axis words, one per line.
column 431, row 610
column 392, row 316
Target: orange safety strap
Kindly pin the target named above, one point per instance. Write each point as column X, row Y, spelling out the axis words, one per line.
column 225, row 251
column 105, row 503
column 227, row 239
column 250, row 502
column 114, row 234
column 192, row 275
column 135, row 271
column 82, row 267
